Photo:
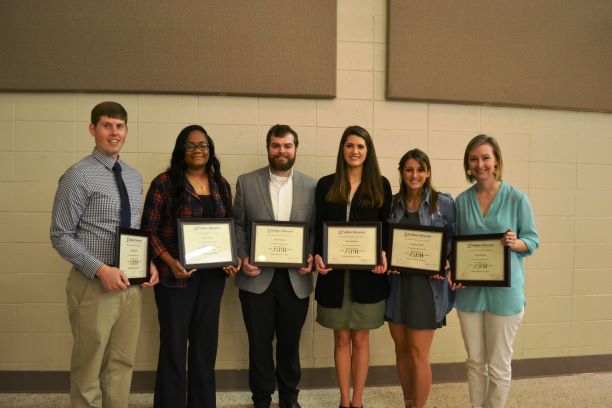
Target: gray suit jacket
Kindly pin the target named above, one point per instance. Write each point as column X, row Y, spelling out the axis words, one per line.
column 253, row 203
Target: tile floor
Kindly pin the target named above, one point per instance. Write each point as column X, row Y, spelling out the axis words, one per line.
column 583, row 390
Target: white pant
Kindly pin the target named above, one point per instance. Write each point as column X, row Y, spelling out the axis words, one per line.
column 488, row 341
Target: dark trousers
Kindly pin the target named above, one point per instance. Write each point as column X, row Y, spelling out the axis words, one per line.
column 277, row 311
column 188, row 315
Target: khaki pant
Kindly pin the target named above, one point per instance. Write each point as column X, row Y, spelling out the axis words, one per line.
column 105, row 328
column 488, row 340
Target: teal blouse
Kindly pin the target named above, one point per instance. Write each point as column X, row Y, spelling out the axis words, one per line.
column 510, row 209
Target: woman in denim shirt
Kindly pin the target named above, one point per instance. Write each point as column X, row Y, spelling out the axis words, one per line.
column 417, row 304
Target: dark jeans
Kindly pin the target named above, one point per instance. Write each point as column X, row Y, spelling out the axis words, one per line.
column 188, row 315
column 277, row 311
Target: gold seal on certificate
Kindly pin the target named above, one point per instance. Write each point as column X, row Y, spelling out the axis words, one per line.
column 206, row 243
column 351, row 245
column 132, row 254
column 280, row 244
column 417, row 249
column 481, row 260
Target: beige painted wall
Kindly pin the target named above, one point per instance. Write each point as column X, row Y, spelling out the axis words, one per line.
column 562, row 159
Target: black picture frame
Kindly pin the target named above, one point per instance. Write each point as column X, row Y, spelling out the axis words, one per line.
column 189, row 224
column 441, row 253
column 481, row 263
column 256, row 258
column 137, row 257
column 355, row 225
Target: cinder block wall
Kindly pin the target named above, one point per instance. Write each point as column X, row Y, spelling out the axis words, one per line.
column 561, row 159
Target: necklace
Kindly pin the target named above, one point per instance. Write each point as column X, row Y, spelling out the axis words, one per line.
column 202, row 187
column 199, row 186
column 412, row 209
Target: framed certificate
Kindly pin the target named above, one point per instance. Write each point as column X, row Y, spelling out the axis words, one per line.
column 280, row 244
column 206, row 243
column 417, row 249
column 132, row 254
column 480, row 260
column 352, row 245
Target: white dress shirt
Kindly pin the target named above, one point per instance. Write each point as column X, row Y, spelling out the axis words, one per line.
column 281, row 195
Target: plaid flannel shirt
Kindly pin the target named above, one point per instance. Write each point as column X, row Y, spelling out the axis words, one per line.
column 159, row 220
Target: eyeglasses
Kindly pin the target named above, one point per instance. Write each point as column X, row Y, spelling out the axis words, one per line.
column 190, row 147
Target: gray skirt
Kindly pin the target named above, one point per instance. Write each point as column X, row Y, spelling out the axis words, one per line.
column 411, row 302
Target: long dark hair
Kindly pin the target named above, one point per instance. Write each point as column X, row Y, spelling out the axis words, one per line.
column 371, row 188
column 178, row 166
column 421, row 157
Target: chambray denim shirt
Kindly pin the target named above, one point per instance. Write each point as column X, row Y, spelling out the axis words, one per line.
column 444, row 216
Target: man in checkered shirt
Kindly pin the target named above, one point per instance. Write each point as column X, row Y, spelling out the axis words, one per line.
column 103, row 308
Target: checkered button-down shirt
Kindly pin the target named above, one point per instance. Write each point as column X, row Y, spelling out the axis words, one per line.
column 158, row 218
column 87, row 211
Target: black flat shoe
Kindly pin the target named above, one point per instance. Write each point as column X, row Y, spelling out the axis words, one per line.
column 289, row 404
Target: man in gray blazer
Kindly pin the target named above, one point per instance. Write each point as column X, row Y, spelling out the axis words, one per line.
column 274, row 300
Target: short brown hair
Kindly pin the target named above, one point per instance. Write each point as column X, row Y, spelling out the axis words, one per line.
column 281, row 131
column 110, row 109
column 474, row 143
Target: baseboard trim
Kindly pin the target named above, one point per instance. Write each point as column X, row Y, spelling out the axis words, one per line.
column 237, row 380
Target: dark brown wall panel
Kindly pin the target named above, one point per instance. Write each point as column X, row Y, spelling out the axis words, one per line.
column 236, row 47
column 538, row 53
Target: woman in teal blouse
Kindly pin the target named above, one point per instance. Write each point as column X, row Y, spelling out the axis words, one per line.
column 490, row 316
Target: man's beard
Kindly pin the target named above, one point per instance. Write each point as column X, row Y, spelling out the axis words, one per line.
column 274, row 165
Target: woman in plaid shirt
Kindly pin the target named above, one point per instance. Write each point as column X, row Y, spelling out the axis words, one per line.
column 188, row 301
